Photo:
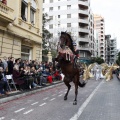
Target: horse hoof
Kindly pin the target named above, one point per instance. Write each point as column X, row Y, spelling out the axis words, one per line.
column 65, row 98
column 75, row 103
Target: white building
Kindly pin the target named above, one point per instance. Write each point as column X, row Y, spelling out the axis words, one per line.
column 99, row 25
column 72, row 16
column 111, row 49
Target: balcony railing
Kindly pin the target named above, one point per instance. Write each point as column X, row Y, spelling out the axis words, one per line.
column 83, row 12
column 85, row 30
column 27, row 26
column 85, row 48
column 83, row 39
column 6, row 13
column 84, row 21
column 83, row 2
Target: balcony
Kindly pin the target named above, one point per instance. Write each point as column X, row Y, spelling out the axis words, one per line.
column 81, row 2
column 83, row 21
column 85, row 12
column 83, row 39
column 6, row 14
column 83, row 30
column 84, row 48
column 28, row 26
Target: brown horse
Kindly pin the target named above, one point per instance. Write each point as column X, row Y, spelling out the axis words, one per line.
column 72, row 74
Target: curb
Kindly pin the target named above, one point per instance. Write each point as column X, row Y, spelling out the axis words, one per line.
column 22, row 94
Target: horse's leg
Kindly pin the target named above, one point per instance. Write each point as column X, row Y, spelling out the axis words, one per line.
column 76, row 82
column 76, row 93
column 69, row 86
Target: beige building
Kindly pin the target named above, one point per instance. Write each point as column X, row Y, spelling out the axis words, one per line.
column 99, row 26
column 20, row 29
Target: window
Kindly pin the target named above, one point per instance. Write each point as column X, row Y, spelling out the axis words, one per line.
column 51, row 17
column 68, row 15
column 68, row 24
column 51, row 26
column 24, row 9
column 51, row 1
column 25, row 53
column 33, row 11
column 68, row 7
column 58, row 16
column 51, row 9
column 59, row 25
column 32, row 16
column 58, row 7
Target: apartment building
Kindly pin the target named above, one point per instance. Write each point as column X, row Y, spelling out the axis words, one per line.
column 91, row 34
column 20, row 29
column 74, row 17
column 111, row 49
column 96, row 44
column 99, row 26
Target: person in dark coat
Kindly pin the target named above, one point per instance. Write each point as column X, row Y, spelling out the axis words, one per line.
column 10, row 66
column 17, row 78
column 3, row 86
column 1, row 64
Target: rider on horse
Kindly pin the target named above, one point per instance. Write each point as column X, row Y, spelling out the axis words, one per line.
column 76, row 53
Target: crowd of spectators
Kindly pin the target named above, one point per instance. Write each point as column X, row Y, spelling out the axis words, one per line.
column 27, row 74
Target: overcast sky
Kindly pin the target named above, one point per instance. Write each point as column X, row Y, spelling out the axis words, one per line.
column 110, row 10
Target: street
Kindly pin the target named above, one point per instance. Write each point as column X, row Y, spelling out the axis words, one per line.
column 98, row 100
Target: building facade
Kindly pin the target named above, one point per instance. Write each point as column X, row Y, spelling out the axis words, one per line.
column 74, row 17
column 20, row 29
column 99, row 26
column 111, row 49
column 96, row 44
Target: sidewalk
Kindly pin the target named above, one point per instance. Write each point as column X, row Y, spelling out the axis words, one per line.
column 17, row 94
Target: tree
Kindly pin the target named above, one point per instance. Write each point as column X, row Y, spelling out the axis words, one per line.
column 118, row 59
column 97, row 60
column 46, row 35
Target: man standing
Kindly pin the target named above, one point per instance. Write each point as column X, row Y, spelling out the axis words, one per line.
column 5, row 65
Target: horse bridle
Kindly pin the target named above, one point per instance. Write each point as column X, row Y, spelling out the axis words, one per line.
column 64, row 41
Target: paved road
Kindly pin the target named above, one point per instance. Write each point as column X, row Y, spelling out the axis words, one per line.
column 98, row 100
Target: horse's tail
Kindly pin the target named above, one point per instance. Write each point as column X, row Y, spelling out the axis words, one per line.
column 82, row 84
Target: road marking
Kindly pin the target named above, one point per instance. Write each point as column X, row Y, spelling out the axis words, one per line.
column 42, row 104
column 34, row 103
column 83, row 106
column 60, row 95
column 46, row 98
column 19, row 110
column 28, row 111
column 52, row 99
column 2, row 118
column 53, row 94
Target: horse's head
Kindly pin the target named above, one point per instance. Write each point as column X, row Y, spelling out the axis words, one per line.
column 66, row 40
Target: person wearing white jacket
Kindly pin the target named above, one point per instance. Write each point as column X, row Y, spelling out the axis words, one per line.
column 97, row 74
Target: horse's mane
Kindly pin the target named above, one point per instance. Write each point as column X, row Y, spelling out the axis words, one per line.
column 71, row 41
